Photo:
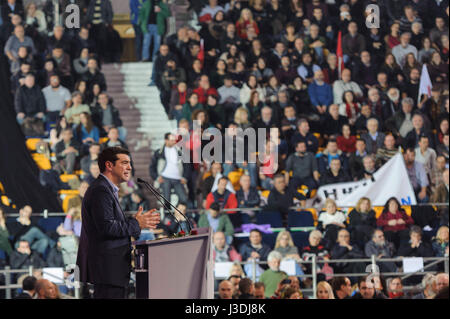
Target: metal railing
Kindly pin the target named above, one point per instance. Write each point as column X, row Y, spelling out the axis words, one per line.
column 314, row 262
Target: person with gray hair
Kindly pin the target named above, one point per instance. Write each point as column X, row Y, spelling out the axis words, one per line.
column 272, row 276
column 401, row 50
column 401, row 122
column 373, row 138
column 429, row 287
column 441, row 281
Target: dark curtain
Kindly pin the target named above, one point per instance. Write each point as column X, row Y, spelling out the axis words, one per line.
column 19, row 173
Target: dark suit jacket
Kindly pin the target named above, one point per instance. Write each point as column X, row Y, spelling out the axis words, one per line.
column 104, row 254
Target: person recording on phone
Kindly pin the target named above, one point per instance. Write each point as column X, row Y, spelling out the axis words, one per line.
column 104, row 254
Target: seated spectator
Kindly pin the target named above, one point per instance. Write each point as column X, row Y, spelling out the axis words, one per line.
column 178, row 98
column 353, row 43
column 93, row 75
column 289, row 292
column 331, row 70
column 332, row 122
column 281, row 198
column 63, row 66
column 15, row 41
column 86, row 133
column 192, row 104
column 343, row 250
column 133, row 201
column 413, row 137
column 428, row 286
column 369, row 168
column 46, row 290
column 415, row 247
column 23, row 257
column 29, row 101
column 85, row 163
column 80, row 63
column 255, row 248
column 72, row 114
column 331, row 221
column 229, row 94
column 303, row 134
column 57, row 99
column 171, row 174
column 267, row 119
column 342, row 287
column 355, row 161
column 28, row 288
column 241, row 118
column 18, row 78
column 346, row 141
column 335, row 174
column 298, row 91
column 225, row 290
column 76, row 201
column 344, row 85
column 72, row 223
column 395, row 288
column 324, row 291
column 315, row 248
column 367, row 290
column 307, row 68
column 401, row 50
column 320, row 93
column 246, row 289
column 246, row 27
column 222, row 196
column 55, row 257
column 394, row 222
column 114, row 139
column 247, row 196
column 289, row 122
column 204, row 89
column 286, row 73
column 362, row 222
column 381, row 248
column 349, row 107
column 5, row 245
column 67, row 151
column 268, row 165
column 387, row 151
column 217, row 221
column 304, row 168
column 426, row 155
column 440, row 195
column 173, row 223
column 437, row 175
column 377, row 104
column 222, row 252
column 374, row 138
column 285, row 246
column 94, row 172
column 365, row 71
column 331, row 152
column 361, row 122
column 443, row 148
column 272, row 276
column 400, row 123
column 441, row 282
column 417, row 175
column 105, row 116
column 259, row 291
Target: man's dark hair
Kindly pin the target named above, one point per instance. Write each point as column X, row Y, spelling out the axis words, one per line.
column 361, row 140
column 299, row 142
column 422, row 136
column 256, row 230
column 110, row 155
column 245, row 285
column 337, row 283
column 29, row 283
column 259, row 285
column 415, row 229
column 223, row 178
column 332, row 141
column 410, row 150
column 166, row 136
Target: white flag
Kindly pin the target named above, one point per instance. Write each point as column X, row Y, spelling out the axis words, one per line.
column 425, row 83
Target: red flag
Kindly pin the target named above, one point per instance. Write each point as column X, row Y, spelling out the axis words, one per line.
column 340, row 55
column 201, row 54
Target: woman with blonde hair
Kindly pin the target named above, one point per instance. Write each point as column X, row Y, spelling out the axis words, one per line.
column 246, row 27
column 241, row 118
column 236, row 270
column 324, row 291
column 331, row 220
column 362, row 221
column 440, row 242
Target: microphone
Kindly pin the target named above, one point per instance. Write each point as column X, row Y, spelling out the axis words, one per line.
column 164, row 202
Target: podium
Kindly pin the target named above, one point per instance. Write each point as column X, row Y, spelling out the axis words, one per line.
column 175, row 268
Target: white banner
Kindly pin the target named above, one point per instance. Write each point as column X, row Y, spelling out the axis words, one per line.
column 391, row 180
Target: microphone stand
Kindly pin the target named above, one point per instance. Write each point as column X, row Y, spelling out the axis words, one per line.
column 165, row 203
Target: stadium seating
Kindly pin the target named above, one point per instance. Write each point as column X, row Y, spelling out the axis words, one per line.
column 300, row 219
column 50, row 224
column 272, row 218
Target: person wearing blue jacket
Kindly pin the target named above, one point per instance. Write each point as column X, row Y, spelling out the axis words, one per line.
column 320, row 93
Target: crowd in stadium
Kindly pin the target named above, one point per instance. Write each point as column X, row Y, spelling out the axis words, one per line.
column 251, row 64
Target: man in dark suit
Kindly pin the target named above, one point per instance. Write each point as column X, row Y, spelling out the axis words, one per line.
column 28, row 288
column 104, row 254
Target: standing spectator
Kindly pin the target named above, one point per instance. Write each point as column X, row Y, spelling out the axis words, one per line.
column 272, row 276
column 152, row 21
column 135, row 8
column 168, row 170
column 99, row 17
column 394, row 222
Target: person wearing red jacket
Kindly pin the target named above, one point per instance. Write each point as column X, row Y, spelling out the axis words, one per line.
column 224, row 197
column 395, row 222
column 204, row 89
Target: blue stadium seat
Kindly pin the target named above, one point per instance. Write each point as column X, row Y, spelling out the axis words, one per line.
column 300, row 219
column 300, row 239
column 2, row 254
column 267, row 217
column 270, row 239
column 50, row 224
